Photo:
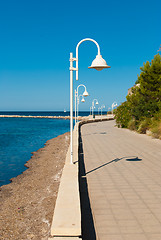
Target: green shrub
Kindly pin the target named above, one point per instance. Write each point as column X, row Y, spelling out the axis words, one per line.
column 109, row 112
column 156, row 129
column 144, row 125
column 122, row 115
column 132, row 124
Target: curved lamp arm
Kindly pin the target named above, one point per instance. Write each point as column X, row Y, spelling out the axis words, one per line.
column 81, row 95
column 83, row 40
column 94, row 100
column 81, row 85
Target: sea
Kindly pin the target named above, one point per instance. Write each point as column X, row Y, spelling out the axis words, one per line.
column 19, row 137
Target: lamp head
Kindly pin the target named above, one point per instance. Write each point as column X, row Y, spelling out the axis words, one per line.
column 97, row 103
column 99, row 63
column 83, row 100
column 85, row 94
column 114, row 104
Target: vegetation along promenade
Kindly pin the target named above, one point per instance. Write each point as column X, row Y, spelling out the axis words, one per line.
column 142, row 109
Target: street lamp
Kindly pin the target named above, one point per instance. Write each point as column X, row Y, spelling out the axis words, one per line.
column 83, row 100
column 99, row 63
column 103, row 106
column 94, row 100
column 114, row 104
column 90, row 110
column 98, row 110
column 85, row 94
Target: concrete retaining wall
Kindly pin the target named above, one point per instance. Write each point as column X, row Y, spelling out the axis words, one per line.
column 66, row 222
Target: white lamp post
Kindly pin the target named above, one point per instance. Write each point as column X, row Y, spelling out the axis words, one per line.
column 90, row 110
column 83, row 100
column 99, row 63
column 114, row 104
column 103, row 106
column 85, row 94
column 98, row 110
column 93, row 102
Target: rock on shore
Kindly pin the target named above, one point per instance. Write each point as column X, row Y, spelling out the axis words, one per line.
column 27, row 203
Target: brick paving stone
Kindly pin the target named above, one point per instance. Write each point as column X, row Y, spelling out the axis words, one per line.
column 123, row 172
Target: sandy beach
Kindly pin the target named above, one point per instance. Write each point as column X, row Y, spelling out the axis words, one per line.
column 27, row 203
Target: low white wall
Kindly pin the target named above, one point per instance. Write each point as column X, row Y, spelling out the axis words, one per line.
column 67, row 213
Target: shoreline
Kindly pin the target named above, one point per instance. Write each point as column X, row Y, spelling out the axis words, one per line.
column 51, row 117
column 27, row 203
column 30, row 116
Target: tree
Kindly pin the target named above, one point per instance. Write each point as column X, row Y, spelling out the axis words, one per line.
column 150, row 83
column 145, row 100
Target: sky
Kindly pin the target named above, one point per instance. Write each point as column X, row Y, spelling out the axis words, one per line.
column 37, row 36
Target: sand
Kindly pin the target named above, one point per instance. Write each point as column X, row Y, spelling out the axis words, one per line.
column 27, row 203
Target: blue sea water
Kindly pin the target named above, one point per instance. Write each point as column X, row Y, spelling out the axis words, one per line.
column 45, row 113
column 19, row 137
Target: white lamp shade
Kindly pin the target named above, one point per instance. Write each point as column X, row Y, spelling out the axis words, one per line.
column 85, row 94
column 83, row 100
column 114, row 104
column 97, row 103
column 99, row 63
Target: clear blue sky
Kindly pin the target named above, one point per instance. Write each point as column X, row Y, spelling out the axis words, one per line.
column 37, row 36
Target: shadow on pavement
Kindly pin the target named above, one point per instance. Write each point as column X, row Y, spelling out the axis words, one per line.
column 88, row 230
column 130, row 159
column 134, row 159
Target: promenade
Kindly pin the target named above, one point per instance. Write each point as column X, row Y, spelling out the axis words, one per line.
column 123, row 173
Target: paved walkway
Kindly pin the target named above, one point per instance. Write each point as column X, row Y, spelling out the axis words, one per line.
column 123, row 171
